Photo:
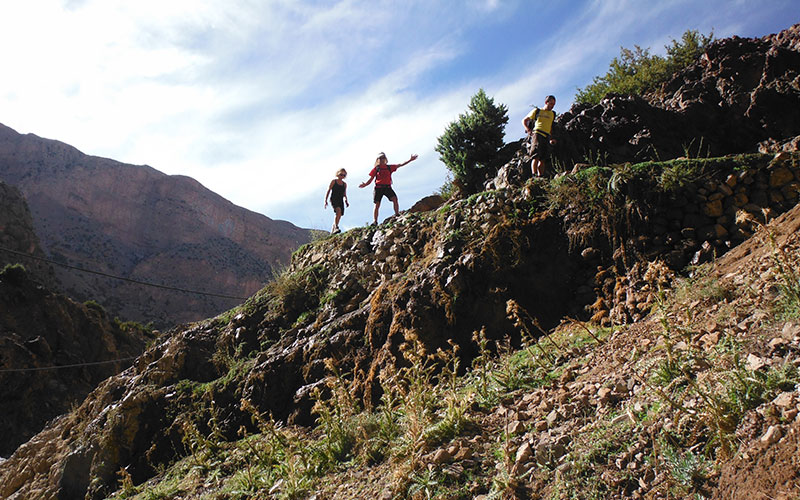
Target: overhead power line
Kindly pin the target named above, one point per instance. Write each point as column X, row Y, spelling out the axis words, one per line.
column 76, row 365
column 121, row 278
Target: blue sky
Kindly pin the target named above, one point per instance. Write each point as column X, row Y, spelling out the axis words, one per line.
column 263, row 100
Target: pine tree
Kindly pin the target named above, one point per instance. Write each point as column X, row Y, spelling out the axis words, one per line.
column 469, row 145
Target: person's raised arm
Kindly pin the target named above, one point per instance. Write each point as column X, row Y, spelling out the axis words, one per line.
column 413, row 157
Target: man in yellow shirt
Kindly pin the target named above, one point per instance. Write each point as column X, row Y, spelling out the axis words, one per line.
column 539, row 123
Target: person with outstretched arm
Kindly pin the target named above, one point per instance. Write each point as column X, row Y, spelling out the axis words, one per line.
column 382, row 173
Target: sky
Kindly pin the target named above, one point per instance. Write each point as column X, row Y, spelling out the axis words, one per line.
column 263, row 100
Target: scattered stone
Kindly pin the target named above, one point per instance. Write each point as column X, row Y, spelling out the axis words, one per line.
column 604, row 396
column 441, row 456
column 464, row 453
column 754, row 362
column 522, row 458
column 772, row 436
column 548, row 451
column 552, row 418
column 785, row 399
column 646, row 479
column 790, row 330
column 516, row 427
column 709, row 340
column 619, row 419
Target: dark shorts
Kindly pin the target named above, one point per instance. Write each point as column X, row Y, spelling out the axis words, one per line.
column 381, row 191
column 540, row 146
column 337, row 204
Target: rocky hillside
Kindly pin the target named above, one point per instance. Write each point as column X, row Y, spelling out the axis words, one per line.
column 17, row 235
column 554, row 338
column 53, row 352
column 479, row 276
column 136, row 222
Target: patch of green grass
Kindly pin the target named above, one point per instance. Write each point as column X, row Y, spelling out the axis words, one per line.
column 164, row 490
column 688, row 468
column 677, row 174
column 703, row 286
column 330, row 296
column 674, row 367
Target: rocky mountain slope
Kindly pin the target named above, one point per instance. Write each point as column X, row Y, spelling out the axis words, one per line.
column 136, row 222
column 542, row 339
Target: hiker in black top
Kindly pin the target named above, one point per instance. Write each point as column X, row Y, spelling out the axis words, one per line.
column 337, row 190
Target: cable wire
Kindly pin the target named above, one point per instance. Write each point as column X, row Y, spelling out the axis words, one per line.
column 129, row 280
column 76, row 365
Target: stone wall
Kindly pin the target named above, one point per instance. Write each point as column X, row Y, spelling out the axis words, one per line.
column 700, row 222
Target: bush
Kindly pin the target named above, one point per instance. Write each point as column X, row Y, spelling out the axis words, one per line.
column 14, row 274
column 636, row 71
column 469, row 146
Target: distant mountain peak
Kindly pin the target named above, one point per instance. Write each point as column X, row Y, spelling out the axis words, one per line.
column 137, row 222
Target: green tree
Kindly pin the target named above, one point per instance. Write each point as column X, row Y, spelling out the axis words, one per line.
column 469, row 146
column 637, row 71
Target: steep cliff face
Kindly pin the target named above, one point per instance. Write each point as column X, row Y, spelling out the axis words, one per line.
column 17, row 235
column 53, row 351
column 139, row 223
column 733, row 98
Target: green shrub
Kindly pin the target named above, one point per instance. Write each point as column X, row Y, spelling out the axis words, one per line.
column 637, row 71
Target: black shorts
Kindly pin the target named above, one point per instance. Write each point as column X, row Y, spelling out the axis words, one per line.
column 337, row 204
column 381, row 191
column 540, row 146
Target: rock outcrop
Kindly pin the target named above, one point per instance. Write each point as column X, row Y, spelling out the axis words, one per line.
column 736, row 96
column 138, row 223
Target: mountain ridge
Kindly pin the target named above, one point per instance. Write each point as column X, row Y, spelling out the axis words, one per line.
column 121, row 219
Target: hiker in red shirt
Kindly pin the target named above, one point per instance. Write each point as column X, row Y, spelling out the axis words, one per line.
column 382, row 173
